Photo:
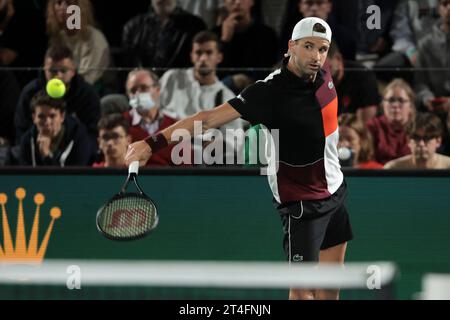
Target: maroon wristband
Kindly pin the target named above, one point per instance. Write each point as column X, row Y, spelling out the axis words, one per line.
column 157, row 142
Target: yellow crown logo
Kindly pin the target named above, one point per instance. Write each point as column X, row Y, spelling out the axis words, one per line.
column 21, row 253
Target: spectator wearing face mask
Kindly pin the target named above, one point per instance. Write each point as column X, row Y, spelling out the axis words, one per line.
column 144, row 93
column 145, row 117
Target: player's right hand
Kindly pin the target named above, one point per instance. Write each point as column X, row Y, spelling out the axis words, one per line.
column 138, row 151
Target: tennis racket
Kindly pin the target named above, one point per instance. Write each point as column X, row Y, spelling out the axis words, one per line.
column 127, row 215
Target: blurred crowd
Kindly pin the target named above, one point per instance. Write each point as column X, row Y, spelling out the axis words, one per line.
column 133, row 69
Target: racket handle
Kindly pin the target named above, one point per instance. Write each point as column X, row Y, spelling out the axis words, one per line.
column 133, row 167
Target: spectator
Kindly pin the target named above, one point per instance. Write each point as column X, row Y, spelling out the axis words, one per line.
column 425, row 136
column 344, row 37
column 411, row 22
column 145, row 117
column 161, row 38
column 389, row 129
column 113, row 141
column 9, row 94
column 144, row 93
column 7, row 55
column 434, row 53
column 88, row 44
column 432, row 83
column 54, row 139
column 17, row 47
column 355, row 137
column 81, row 98
column 246, row 43
column 186, row 92
column 112, row 24
column 207, row 9
column 357, row 90
column 369, row 41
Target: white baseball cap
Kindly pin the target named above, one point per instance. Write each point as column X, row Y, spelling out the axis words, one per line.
column 305, row 28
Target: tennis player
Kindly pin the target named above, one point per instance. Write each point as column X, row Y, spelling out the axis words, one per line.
column 309, row 188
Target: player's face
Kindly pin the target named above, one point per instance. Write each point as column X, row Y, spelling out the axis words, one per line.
column 423, row 146
column 315, row 8
column 114, row 143
column 63, row 70
column 48, row 120
column 309, row 54
column 205, row 57
column 397, row 106
column 349, row 138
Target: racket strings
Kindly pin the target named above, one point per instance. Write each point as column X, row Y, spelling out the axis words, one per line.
column 128, row 217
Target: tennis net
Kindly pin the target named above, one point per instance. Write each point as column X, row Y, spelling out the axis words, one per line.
column 191, row 280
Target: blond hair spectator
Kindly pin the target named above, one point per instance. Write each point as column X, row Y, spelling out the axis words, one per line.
column 389, row 130
column 88, row 44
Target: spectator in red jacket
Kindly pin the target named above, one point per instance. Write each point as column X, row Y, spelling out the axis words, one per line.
column 145, row 117
column 389, row 130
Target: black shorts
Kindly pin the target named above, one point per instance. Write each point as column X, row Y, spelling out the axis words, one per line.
column 315, row 225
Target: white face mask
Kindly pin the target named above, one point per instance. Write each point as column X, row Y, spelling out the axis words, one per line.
column 142, row 102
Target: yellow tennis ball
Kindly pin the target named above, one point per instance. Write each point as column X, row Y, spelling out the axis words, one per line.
column 56, row 88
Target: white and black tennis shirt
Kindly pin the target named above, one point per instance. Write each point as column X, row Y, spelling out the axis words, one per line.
column 306, row 115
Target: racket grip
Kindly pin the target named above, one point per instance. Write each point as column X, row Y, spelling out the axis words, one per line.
column 133, row 167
